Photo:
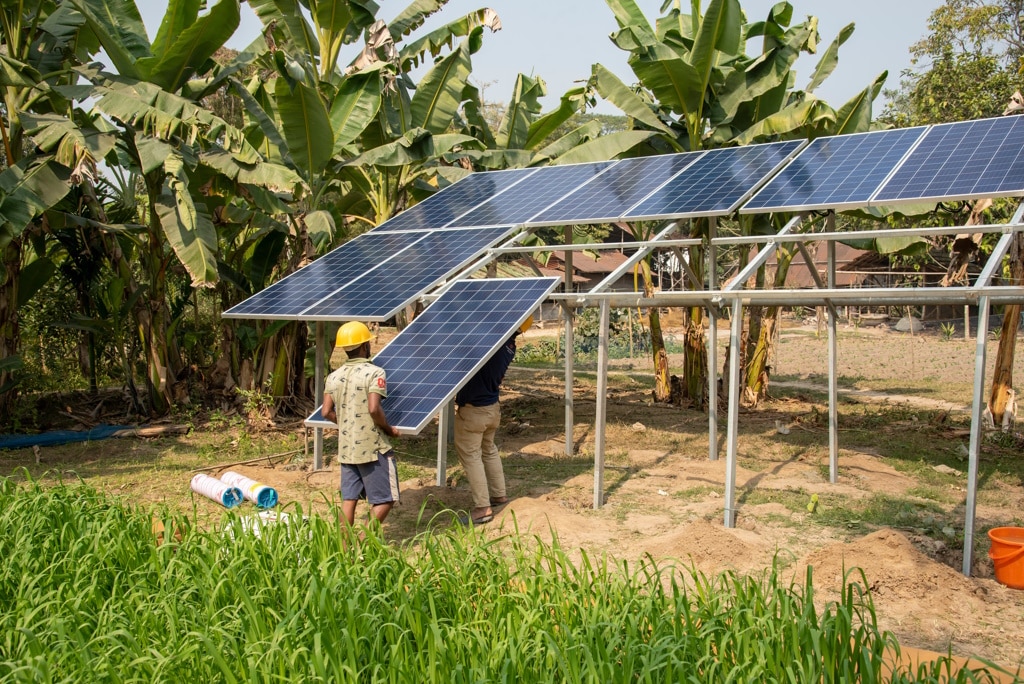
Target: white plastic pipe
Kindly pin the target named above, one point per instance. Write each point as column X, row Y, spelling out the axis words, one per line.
column 214, row 489
column 257, row 492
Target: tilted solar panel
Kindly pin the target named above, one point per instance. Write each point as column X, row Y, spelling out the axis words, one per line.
column 429, row 361
column 293, row 294
column 837, row 172
column 964, row 160
column 607, row 197
column 441, row 208
column 715, row 184
column 528, row 198
column 380, row 293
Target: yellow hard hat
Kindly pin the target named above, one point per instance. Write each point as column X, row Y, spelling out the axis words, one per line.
column 527, row 324
column 351, row 335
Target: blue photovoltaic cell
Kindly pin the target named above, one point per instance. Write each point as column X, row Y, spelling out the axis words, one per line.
column 439, row 209
column 378, row 294
column 716, row 183
column 608, row 196
column 430, row 360
column 544, row 187
column 838, row 171
column 288, row 297
column 963, row 160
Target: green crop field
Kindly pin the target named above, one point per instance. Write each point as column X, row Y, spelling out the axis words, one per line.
column 88, row 594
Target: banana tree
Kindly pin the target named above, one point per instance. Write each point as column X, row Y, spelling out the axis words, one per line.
column 698, row 89
column 170, row 140
column 41, row 42
column 315, row 115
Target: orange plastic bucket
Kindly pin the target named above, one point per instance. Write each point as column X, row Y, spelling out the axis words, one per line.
column 1007, row 554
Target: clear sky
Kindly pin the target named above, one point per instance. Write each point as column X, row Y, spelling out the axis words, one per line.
column 560, row 39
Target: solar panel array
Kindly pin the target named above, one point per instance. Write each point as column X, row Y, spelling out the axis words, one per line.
column 372, row 277
column 966, row 160
column 609, row 196
column 369, row 278
column 429, row 361
column 835, row 172
column 380, row 293
column 717, row 183
column 442, row 208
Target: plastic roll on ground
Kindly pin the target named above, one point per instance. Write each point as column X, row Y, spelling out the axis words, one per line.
column 221, row 492
column 257, row 492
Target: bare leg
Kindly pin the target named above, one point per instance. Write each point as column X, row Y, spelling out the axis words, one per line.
column 348, row 510
column 380, row 511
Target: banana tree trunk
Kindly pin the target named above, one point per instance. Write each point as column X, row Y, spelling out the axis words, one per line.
column 695, row 355
column 10, row 332
column 760, row 340
column 695, row 359
column 662, row 387
column 1002, row 397
column 153, row 315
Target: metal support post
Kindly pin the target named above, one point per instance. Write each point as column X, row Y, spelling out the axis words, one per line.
column 833, row 355
column 601, row 405
column 445, row 423
column 734, row 413
column 318, row 396
column 973, row 453
column 712, row 277
column 570, row 343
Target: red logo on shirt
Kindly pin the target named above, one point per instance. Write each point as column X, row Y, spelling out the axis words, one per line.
column 381, row 383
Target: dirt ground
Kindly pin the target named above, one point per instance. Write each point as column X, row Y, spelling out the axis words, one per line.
column 663, row 497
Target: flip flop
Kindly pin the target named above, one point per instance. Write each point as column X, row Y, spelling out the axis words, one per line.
column 465, row 520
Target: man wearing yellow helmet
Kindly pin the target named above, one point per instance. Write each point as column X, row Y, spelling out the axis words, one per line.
column 476, row 422
column 352, row 398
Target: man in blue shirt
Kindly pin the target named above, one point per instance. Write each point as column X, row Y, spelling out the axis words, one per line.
column 476, row 422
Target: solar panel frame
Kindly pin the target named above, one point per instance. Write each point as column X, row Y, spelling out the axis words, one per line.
column 533, row 195
column 591, row 202
column 287, row 298
column 852, row 157
column 964, row 160
column 430, row 260
column 436, row 355
column 689, row 194
column 436, row 212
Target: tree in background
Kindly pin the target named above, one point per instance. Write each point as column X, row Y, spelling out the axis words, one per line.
column 969, row 67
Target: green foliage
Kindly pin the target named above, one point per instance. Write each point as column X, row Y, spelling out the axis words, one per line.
column 306, row 601
column 967, row 67
column 948, row 330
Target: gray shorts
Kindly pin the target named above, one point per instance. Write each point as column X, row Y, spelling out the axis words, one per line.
column 376, row 481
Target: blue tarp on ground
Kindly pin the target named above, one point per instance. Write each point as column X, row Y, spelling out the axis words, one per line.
column 59, row 437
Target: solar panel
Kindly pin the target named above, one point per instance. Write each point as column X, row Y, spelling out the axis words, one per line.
column 607, row 197
column 837, row 172
column 965, row 160
column 288, row 297
column 429, row 361
column 442, row 207
column 378, row 294
column 528, row 198
column 715, row 184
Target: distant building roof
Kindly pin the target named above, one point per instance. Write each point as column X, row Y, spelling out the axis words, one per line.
column 585, row 263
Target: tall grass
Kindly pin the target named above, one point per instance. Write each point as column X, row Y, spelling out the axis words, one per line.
column 87, row 595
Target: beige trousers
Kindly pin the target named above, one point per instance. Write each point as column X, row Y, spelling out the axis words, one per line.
column 474, row 442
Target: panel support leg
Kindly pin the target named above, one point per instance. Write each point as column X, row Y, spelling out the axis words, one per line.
column 977, row 407
column 734, row 413
column 318, row 395
column 601, row 406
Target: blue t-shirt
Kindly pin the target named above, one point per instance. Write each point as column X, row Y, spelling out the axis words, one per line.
column 482, row 388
